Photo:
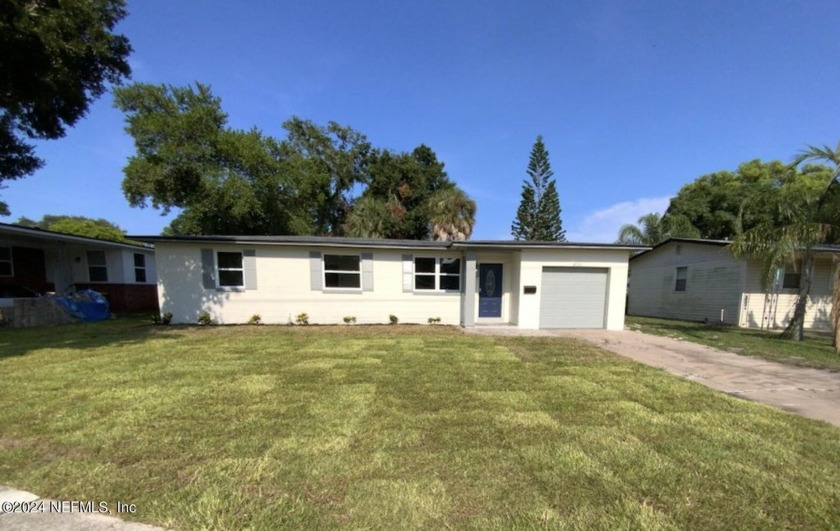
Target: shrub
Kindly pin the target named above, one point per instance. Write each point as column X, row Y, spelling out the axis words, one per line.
column 255, row 319
column 164, row 319
column 350, row 320
column 394, row 319
column 302, row 319
column 204, row 318
column 434, row 320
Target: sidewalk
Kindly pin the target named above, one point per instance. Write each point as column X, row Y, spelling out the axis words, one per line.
column 33, row 513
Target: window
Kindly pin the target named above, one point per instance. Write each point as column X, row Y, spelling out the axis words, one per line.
column 682, row 276
column 97, row 266
column 437, row 274
column 139, row 267
column 231, row 274
column 791, row 280
column 342, row 271
column 6, row 262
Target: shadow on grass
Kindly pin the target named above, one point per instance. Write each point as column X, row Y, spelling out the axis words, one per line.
column 127, row 330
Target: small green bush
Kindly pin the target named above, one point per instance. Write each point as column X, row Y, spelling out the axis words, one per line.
column 394, row 319
column 255, row 319
column 204, row 318
column 350, row 320
column 302, row 319
column 434, row 320
column 164, row 319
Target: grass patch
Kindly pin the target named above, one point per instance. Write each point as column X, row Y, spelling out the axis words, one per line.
column 815, row 351
column 395, row 427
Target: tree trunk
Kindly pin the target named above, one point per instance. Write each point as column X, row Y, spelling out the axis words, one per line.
column 796, row 328
column 835, row 304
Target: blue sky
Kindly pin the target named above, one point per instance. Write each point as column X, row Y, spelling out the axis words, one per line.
column 633, row 99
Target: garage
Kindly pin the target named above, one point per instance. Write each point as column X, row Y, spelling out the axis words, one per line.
column 573, row 297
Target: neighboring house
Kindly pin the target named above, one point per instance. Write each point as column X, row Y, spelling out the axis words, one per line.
column 528, row 284
column 700, row 280
column 35, row 261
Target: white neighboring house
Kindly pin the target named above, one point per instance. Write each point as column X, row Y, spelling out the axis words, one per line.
column 700, row 280
column 35, row 261
column 527, row 284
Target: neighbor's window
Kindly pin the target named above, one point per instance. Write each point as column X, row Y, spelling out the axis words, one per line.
column 791, row 280
column 437, row 274
column 342, row 271
column 231, row 274
column 97, row 266
column 682, row 276
column 139, row 267
column 5, row 262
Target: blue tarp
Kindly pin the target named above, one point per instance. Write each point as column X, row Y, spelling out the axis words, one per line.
column 86, row 305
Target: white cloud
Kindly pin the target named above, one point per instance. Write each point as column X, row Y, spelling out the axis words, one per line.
column 602, row 225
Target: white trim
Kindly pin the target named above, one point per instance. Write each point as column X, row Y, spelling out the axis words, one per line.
column 436, row 274
column 324, row 272
column 241, row 269
column 11, row 262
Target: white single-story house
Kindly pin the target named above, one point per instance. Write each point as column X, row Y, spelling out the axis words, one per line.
column 526, row 284
column 700, row 280
column 34, row 262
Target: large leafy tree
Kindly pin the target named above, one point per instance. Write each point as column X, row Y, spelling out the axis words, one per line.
column 800, row 213
column 56, row 57
column 653, row 228
column 538, row 215
column 325, row 180
column 724, row 204
column 410, row 196
column 101, row 229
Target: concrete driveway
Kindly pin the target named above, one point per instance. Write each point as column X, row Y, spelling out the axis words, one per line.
column 811, row 393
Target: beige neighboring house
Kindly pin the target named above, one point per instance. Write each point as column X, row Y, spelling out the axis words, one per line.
column 525, row 284
column 700, row 280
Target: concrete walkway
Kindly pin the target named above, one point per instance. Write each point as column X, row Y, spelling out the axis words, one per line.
column 32, row 513
column 811, row 393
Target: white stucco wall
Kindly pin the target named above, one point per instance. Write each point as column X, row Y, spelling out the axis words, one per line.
column 531, row 269
column 284, row 290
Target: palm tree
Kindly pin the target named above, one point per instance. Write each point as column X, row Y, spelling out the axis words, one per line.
column 803, row 220
column 653, row 228
column 647, row 232
column 452, row 214
column 830, row 157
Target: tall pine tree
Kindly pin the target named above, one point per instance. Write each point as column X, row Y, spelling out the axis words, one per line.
column 538, row 215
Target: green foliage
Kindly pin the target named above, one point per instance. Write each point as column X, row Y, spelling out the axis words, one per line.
column 538, row 215
column 255, row 319
column 55, row 59
column 318, row 180
column 410, row 196
column 164, row 319
column 724, row 204
column 434, row 320
column 204, row 318
column 101, row 229
column 302, row 319
column 350, row 320
column 653, row 228
column 797, row 214
column 393, row 319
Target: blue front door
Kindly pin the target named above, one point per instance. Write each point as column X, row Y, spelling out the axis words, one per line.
column 490, row 290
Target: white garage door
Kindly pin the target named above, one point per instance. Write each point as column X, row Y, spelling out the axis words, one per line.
column 573, row 297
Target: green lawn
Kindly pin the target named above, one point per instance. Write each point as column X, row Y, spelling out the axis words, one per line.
column 395, row 427
column 816, row 351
